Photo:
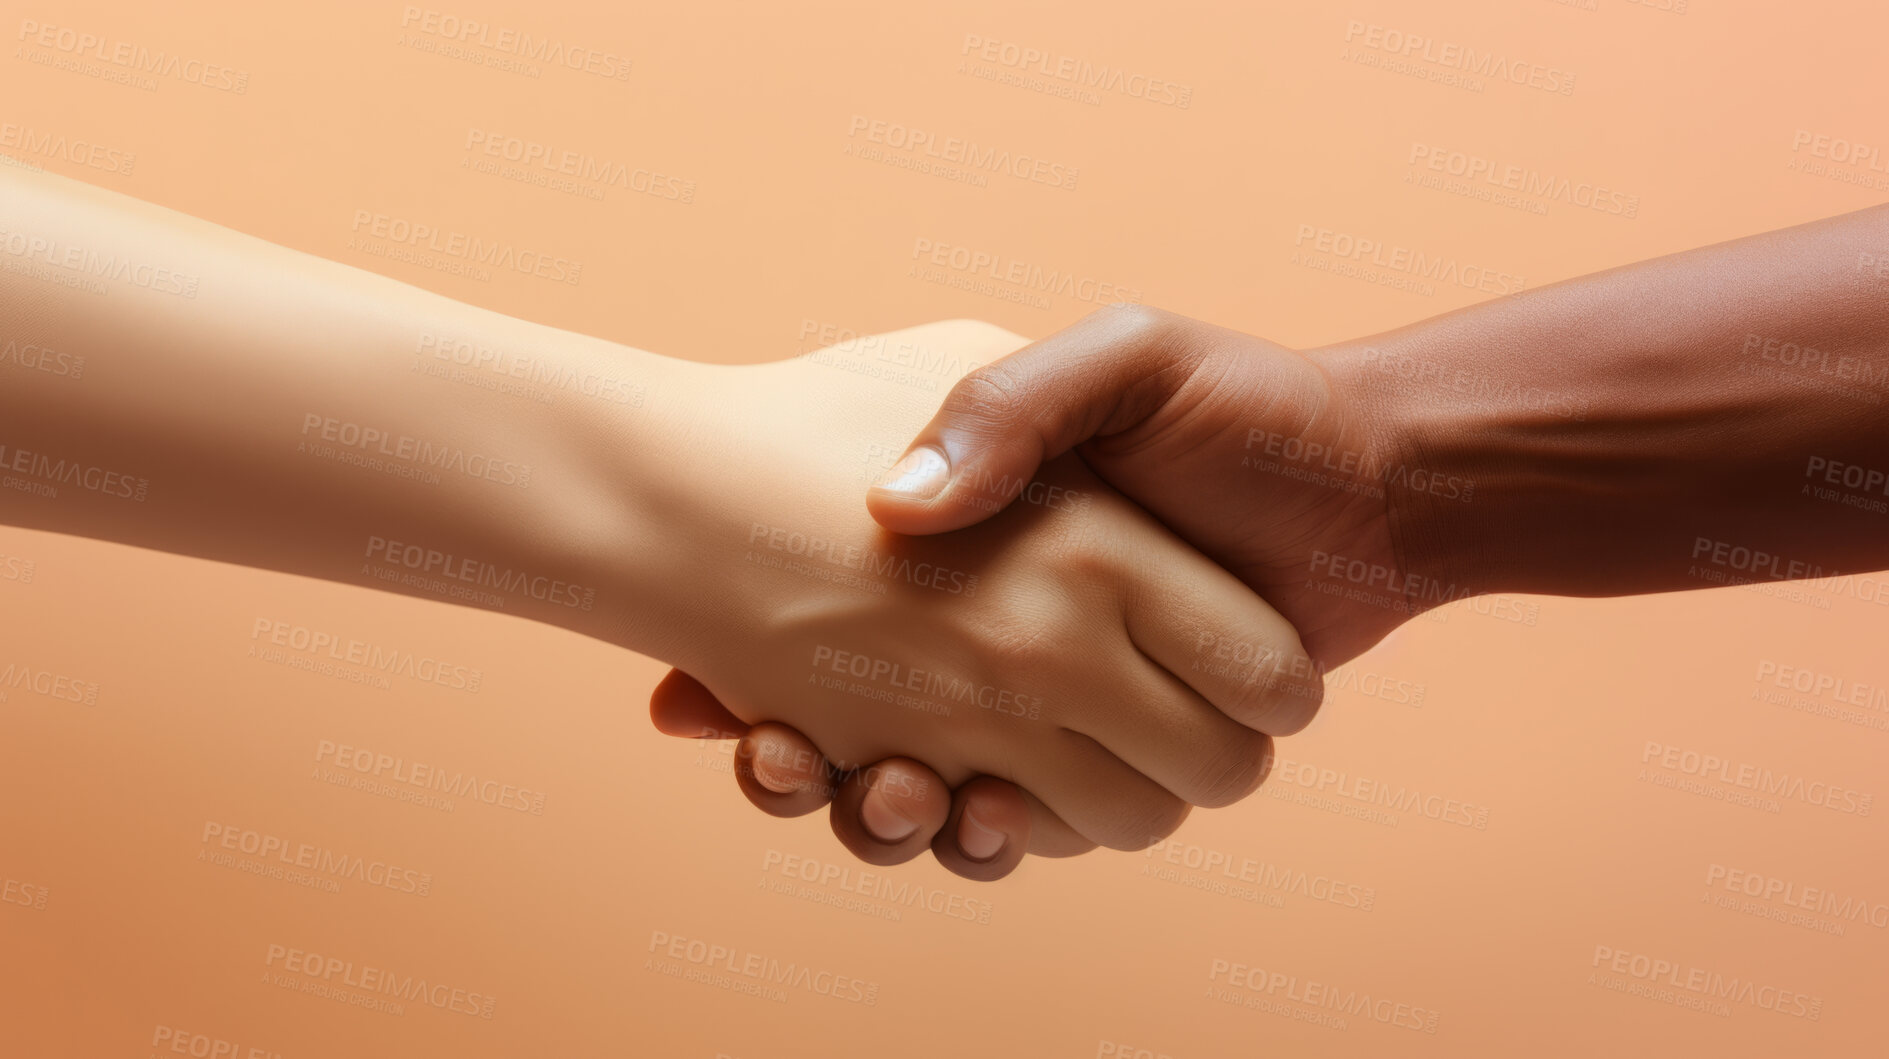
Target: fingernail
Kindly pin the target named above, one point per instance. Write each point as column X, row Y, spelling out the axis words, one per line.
column 882, row 820
column 977, row 841
column 921, row 475
column 771, row 776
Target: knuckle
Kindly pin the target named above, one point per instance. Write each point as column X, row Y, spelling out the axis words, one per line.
column 1133, row 313
column 1019, row 648
column 1235, row 770
column 1278, row 698
column 992, row 395
column 1295, row 701
column 1140, row 321
column 1087, row 557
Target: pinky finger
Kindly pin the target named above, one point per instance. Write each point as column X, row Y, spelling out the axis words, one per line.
column 680, row 706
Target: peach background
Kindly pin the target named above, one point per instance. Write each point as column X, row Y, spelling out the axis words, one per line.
column 1693, row 112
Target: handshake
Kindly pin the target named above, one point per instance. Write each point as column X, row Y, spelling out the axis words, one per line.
column 1082, row 594
column 1083, row 598
column 1089, row 590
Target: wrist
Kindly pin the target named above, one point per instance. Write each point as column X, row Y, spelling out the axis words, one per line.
column 1443, row 500
column 629, row 509
column 667, row 493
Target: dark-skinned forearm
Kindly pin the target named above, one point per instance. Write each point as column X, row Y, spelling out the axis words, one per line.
column 1723, row 408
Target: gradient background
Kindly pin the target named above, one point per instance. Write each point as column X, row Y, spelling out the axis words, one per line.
column 115, row 933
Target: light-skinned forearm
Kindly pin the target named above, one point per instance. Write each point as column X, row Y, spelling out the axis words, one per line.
column 175, row 385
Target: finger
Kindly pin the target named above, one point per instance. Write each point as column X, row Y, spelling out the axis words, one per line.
column 988, row 832
column 1101, row 797
column 1104, row 374
column 888, row 813
column 989, row 814
column 1051, row 835
column 781, row 771
column 1211, row 632
column 1178, row 739
column 681, row 706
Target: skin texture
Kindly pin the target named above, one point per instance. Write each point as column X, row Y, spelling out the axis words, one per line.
column 251, row 404
column 1662, row 426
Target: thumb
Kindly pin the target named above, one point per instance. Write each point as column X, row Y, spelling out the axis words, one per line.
column 681, row 706
column 1102, row 375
